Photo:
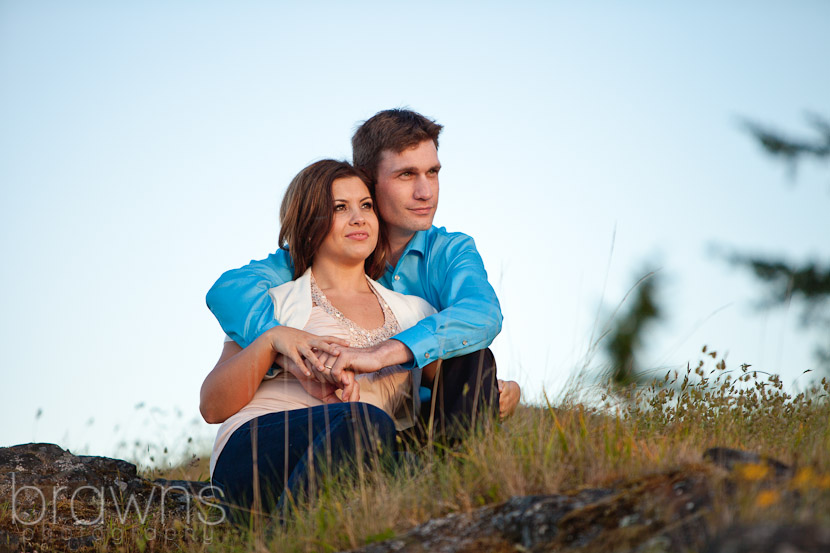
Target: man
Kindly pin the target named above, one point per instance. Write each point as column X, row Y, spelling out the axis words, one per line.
column 398, row 149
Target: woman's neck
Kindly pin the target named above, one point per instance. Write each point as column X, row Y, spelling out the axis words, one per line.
column 335, row 276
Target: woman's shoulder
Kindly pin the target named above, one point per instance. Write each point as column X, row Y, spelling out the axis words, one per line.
column 304, row 280
column 292, row 300
column 404, row 304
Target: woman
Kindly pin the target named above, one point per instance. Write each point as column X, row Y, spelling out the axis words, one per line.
column 329, row 223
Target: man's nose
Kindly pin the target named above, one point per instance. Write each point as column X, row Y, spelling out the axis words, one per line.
column 423, row 188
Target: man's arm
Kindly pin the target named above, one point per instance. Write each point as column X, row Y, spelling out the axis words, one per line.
column 469, row 315
column 240, row 301
column 372, row 359
column 245, row 310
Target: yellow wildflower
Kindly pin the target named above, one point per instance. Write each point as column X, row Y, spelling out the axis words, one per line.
column 766, row 498
column 753, row 472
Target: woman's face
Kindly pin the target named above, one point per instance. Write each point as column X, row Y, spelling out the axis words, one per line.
column 354, row 229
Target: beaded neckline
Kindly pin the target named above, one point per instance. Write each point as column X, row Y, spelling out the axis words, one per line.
column 358, row 336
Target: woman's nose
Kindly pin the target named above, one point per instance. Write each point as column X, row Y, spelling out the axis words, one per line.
column 357, row 217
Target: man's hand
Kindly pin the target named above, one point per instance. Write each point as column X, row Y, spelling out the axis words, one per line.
column 509, row 396
column 371, row 359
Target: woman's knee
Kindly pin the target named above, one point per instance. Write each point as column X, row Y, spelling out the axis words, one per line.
column 372, row 416
column 362, row 423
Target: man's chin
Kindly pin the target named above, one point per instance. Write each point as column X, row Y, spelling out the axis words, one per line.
column 423, row 223
column 423, row 226
column 411, row 227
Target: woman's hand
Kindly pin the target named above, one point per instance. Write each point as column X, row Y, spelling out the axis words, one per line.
column 320, row 385
column 299, row 345
column 345, row 380
column 323, row 374
column 509, row 396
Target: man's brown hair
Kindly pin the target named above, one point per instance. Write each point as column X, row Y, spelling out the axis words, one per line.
column 392, row 129
column 307, row 214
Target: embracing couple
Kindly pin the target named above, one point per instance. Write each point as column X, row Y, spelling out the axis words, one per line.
column 367, row 324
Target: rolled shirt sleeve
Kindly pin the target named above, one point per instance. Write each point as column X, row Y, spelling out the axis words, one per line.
column 446, row 270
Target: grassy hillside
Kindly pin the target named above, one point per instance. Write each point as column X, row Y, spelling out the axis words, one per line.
column 554, row 448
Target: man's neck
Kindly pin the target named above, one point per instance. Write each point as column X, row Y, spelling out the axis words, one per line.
column 397, row 244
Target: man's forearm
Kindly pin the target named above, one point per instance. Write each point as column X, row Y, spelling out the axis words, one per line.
column 458, row 330
column 372, row 359
column 393, row 352
column 469, row 315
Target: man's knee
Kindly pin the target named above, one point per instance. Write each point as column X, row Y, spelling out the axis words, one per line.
column 474, row 370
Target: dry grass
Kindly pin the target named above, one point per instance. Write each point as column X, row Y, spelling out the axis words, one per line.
column 549, row 449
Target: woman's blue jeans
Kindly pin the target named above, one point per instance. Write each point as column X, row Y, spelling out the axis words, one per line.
column 288, row 454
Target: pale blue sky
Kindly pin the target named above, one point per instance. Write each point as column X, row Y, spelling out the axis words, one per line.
column 144, row 147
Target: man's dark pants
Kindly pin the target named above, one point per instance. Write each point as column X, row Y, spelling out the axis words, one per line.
column 465, row 395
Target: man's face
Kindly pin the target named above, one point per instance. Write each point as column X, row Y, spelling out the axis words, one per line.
column 407, row 189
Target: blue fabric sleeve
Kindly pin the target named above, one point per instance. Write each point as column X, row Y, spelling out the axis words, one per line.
column 240, row 301
column 469, row 316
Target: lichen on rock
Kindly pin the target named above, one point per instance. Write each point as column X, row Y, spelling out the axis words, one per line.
column 58, row 501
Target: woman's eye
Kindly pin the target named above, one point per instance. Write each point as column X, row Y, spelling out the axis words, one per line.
column 339, row 207
column 367, row 205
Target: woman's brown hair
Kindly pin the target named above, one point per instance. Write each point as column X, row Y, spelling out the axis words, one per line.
column 307, row 213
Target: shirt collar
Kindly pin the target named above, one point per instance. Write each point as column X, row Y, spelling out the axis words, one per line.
column 417, row 243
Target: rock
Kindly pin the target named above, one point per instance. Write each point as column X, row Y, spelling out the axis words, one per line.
column 8, row 542
column 664, row 512
column 67, row 502
column 63, row 502
column 771, row 538
column 660, row 509
column 730, row 459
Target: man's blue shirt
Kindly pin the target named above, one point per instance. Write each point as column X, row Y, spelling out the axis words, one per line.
column 444, row 268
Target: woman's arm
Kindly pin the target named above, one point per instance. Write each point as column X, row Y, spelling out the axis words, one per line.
column 238, row 373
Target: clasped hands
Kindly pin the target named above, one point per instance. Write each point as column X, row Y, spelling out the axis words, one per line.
column 325, row 365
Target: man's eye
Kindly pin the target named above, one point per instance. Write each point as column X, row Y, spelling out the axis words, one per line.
column 406, row 174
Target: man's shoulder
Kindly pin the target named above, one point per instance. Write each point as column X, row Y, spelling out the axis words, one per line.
column 439, row 238
column 279, row 259
column 276, row 264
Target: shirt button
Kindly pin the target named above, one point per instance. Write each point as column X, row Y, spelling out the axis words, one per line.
column 464, row 343
column 426, row 355
column 397, row 277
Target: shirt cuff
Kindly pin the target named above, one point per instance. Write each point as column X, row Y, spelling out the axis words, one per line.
column 423, row 345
